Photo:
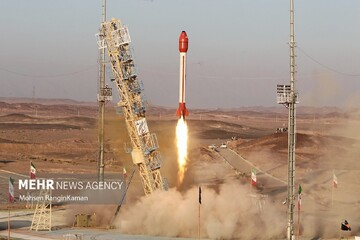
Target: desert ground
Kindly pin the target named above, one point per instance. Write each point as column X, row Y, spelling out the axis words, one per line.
column 60, row 136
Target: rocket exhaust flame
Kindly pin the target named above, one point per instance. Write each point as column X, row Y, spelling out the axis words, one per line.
column 182, row 143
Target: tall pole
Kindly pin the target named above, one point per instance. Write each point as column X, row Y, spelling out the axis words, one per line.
column 9, row 221
column 292, row 130
column 332, row 194
column 298, row 224
column 101, row 100
column 199, row 222
column 199, row 213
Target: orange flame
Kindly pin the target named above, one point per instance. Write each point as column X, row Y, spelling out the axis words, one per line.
column 181, row 142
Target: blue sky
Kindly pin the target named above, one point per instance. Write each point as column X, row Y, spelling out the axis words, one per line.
column 238, row 49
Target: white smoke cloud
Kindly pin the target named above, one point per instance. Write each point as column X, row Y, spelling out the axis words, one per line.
column 226, row 213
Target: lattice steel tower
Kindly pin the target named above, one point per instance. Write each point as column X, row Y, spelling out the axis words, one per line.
column 144, row 145
column 287, row 96
column 104, row 95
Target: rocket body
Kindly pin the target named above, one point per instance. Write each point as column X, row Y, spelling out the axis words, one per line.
column 183, row 47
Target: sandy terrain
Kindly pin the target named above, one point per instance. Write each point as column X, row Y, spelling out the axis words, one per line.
column 62, row 137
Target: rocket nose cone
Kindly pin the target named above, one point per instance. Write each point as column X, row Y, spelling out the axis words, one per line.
column 183, row 35
column 183, row 42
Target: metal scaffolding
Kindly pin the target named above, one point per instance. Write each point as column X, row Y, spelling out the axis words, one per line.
column 144, row 145
column 42, row 215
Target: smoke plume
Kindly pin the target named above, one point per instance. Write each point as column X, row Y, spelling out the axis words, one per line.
column 230, row 212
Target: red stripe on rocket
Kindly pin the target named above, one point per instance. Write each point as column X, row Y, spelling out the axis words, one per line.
column 183, row 47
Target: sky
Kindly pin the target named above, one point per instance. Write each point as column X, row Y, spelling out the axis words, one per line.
column 238, row 50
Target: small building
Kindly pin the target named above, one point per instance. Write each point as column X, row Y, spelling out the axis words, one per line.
column 85, row 220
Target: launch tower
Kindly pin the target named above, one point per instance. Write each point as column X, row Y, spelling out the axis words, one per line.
column 115, row 37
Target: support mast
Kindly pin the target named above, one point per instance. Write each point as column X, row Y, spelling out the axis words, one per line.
column 101, row 100
column 292, row 130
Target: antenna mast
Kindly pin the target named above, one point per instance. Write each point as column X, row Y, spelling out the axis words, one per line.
column 292, row 130
column 101, row 100
column 287, row 96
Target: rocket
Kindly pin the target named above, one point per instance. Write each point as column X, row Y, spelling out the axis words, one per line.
column 183, row 47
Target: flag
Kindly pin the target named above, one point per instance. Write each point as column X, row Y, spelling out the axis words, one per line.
column 11, row 190
column 199, row 195
column 299, row 197
column 253, row 177
column 124, row 172
column 32, row 171
column 335, row 182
